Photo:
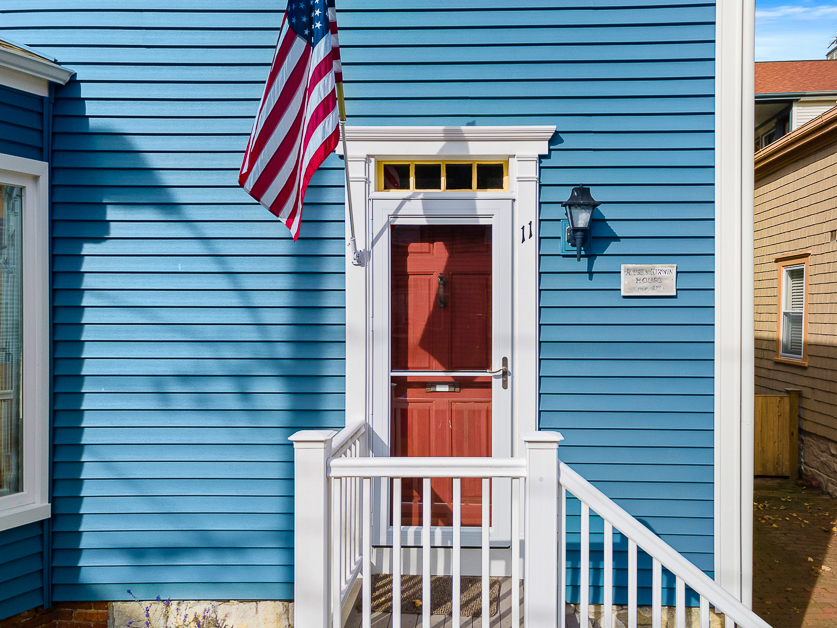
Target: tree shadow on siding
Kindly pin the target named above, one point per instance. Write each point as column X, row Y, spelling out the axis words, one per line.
column 191, row 341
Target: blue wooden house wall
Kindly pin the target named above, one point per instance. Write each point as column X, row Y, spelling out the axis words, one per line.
column 192, row 337
column 24, row 132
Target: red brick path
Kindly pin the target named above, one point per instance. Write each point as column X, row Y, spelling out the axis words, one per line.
column 795, row 555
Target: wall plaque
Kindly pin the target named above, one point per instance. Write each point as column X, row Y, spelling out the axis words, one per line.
column 649, row 280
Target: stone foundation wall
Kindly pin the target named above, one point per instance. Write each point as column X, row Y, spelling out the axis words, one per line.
column 819, row 460
column 61, row 615
column 206, row 614
column 209, row 614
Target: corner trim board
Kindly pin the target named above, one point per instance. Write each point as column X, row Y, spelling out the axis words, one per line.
column 734, row 302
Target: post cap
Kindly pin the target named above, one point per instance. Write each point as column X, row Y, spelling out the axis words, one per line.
column 542, row 437
column 311, row 439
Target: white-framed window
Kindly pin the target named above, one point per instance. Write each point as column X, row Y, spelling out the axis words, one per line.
column 24, row 341
column 792, row 310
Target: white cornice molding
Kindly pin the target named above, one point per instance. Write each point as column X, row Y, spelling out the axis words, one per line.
column 34, row 66
column 448, row 140
column 450, row 133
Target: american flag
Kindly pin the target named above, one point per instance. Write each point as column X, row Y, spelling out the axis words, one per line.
column 297, row 125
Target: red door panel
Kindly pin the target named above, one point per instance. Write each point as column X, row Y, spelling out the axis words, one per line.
column 435, row 330
column 433, row 424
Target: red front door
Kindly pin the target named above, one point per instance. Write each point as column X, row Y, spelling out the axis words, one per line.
column 441, row 323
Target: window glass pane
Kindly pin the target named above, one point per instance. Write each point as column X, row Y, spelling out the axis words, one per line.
column 441, row 297
column 396, row 176
column 428, row 176
column 794, row 289
column 459, row 177
column 489, row 176
column 792, row 334
column 11, row 425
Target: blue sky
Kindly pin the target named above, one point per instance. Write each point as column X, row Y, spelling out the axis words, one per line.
column 794, row 29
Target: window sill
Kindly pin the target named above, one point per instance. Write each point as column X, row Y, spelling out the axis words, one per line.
column 16, row 517
column 781, row 360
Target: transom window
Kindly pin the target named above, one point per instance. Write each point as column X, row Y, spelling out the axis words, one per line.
column 443, row 175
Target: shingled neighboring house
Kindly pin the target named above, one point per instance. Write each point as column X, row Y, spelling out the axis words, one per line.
column 789, row 94
column 795, row 255
column 177, row 339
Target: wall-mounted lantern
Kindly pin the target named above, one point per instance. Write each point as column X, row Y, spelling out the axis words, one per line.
column 579, row 208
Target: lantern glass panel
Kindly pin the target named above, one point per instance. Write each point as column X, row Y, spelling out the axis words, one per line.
column 581, row 216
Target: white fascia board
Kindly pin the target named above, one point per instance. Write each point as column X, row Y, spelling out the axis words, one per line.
column 34, row 66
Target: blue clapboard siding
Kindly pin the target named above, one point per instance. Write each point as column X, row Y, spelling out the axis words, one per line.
column 22, row 549
column 191, row 336
column 21, row 124
column 21, row 569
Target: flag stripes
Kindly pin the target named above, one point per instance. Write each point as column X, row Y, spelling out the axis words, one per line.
column 297, row 124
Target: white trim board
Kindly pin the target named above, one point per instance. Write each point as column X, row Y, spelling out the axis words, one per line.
column 32, row 504
column 521, row 145
column 734, row 301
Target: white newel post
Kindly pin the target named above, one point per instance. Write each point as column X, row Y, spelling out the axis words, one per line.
column 312, row 449
column 542, row 578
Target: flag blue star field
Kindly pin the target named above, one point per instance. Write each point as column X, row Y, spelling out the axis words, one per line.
column 297, row 124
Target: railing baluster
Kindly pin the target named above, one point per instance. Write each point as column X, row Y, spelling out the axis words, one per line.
column 584, row 606
column 632, row 620
column 456, row 610
column 337, row 521
column 426, row 498
column 680, row 601
column 728, row 622
column 344, row 531
column 704, row 612
column 608, row 575
column 562, row 560
column 657, row 595
column 367, row 552
column 486, row 501
column 515, row 543
column 396, row 552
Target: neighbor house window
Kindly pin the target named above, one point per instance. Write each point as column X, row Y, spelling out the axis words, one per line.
column 792, row 313
column 24, row 356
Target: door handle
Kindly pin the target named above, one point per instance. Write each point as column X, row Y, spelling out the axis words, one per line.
column 440, row 298
column 504, row 370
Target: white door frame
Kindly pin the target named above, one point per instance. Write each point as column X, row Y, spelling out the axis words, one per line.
column 443, row 209
column 522, row 147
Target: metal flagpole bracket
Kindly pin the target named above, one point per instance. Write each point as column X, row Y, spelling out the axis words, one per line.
column 357, row 258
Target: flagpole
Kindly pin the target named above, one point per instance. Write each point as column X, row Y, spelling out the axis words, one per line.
column 341, row 107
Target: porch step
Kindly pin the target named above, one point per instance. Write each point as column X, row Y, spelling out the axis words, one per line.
column 503, row 618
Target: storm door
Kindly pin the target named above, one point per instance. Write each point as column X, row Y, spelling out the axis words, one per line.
column 443, row 343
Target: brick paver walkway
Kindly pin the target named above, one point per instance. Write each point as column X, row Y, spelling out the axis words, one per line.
column 795, row 555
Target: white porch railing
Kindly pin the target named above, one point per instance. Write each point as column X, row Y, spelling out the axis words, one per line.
column 333, row 535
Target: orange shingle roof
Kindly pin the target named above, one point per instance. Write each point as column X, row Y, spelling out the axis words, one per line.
column 783, row 77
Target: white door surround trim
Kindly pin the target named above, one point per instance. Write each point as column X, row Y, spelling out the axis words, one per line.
column 522, row 146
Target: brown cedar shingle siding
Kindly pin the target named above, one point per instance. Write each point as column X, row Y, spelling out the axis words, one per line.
column 795, row 211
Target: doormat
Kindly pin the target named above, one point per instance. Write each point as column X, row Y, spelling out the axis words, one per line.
column 441, row 594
